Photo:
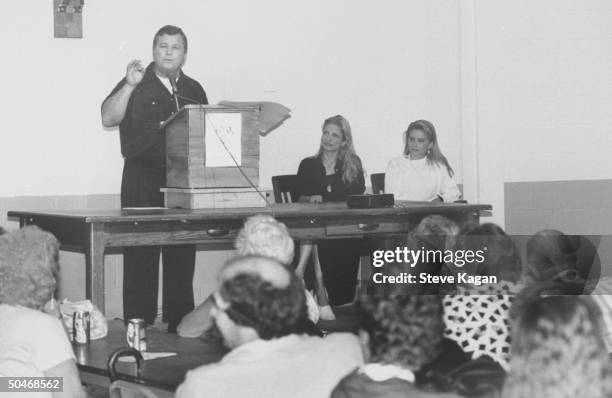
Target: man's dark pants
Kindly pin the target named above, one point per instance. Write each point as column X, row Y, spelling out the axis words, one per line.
column 140, row 188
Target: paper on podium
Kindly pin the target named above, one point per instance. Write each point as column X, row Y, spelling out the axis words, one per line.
column 270, row 114
column 226, row 140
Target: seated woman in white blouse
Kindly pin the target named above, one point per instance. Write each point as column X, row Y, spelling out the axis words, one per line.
column 423, row 173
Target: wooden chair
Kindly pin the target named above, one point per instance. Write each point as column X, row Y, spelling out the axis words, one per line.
column 284, row 187
column 378, row 182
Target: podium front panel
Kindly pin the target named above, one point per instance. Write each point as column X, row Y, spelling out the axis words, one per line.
column 186, row 137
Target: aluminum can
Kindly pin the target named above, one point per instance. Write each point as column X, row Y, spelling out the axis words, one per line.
column 81, row 327
column 137, row 334
column 81, row 352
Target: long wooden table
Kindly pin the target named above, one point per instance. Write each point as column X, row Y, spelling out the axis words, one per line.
column 161, row 373
column 93, row 231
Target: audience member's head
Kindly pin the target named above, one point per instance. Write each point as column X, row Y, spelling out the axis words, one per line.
column 28, row 267
column 553, row 256
column 262, row 235
column 434, row 235
column 501, row 257
column 403, row 330
column 557, row 349
column 258, row 298
column 435, row 232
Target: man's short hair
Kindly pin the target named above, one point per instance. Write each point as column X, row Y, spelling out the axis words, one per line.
column 28, row 267
column 262, row 235
column 264, row 295
column 170, row 30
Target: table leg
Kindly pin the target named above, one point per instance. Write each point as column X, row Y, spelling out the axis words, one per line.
column 94, row 266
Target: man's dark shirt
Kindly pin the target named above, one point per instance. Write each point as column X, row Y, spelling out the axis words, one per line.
column 142, row 140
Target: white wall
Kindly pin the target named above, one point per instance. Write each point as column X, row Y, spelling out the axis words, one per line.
column 541, row 81
column 553, row 90
column 381, row 66
column 542, row 92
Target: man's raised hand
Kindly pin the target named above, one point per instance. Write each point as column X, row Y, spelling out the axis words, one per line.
column 134, row 73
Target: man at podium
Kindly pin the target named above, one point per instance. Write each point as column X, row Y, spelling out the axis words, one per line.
column 138, row 104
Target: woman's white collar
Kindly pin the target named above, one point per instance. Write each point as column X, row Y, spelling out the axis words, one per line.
column 382, row 372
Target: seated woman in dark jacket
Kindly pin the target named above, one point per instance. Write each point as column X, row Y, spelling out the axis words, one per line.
column 332, row 174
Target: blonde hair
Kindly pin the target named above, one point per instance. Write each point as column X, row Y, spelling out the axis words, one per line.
column 557, row 350
column 436, row 231
column 434, row 155
column 262, row 235
column 351, row 165
column 28, row 267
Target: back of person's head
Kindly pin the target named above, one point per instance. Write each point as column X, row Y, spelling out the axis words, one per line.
column 550, row 252
column 404, row 330
column 28, row 267
column 435, row 232
column 170, row 30
column 262, row 235
column 432, row 237
column 557, row 349
column 553, row 256
column 264, row 295
column 501, row 257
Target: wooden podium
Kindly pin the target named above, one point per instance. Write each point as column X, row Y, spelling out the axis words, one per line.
column 212, row 152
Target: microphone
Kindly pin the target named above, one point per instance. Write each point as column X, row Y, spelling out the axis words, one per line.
column 174, row 91
column 191, row 100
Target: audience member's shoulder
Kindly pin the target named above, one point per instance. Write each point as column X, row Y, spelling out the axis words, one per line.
column 14, row 361
column 199, row 380
column 343, row 342
column 342, row 337
column 27, row 319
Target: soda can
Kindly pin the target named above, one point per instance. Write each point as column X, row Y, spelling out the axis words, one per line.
column 81, row 352
column 137, row 334
column 81, row 327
